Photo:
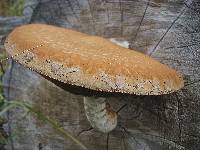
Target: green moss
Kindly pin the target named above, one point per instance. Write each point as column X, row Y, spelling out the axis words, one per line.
column 11, row 7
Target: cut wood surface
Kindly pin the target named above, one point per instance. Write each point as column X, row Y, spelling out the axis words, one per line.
column 167, row 30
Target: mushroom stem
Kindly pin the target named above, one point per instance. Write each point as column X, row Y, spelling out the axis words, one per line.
column 99, row 114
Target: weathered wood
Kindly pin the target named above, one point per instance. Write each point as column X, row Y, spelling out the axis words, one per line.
column 175, row 116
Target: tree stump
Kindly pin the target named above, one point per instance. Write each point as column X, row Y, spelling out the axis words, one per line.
column 167, row 30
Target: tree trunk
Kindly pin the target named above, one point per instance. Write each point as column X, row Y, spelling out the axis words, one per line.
column 167, row 30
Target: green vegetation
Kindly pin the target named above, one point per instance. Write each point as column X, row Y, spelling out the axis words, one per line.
column 7, row 105
column 11, row 7
column 3, row 64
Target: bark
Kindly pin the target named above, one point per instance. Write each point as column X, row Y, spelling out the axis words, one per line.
column 166, row 30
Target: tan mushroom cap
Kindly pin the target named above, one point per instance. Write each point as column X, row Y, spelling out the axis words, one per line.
column 89, row 61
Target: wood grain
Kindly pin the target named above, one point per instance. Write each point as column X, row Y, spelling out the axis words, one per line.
column 175, row 116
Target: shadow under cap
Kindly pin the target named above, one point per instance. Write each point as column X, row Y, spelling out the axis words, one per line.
column 78, row 90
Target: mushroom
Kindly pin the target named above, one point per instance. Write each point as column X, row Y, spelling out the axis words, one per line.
column 90, row 62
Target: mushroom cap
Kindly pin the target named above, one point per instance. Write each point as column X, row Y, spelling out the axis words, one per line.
column 89, row 61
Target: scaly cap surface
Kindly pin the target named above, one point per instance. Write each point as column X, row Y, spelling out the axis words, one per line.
column 89, row 61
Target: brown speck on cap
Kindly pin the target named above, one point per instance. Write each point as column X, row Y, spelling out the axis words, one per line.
column 89, row 61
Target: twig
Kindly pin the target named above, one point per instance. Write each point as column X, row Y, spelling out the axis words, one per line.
column 84, row 130
column 141, row 20
column 123, row 106
column 180, row 14
column 107, row 141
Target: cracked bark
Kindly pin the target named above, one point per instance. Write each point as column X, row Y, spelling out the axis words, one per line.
column 174, row 41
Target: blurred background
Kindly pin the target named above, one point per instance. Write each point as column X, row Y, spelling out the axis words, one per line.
column 167, row 30
column 11, row 7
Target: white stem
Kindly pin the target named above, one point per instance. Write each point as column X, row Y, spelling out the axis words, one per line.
column 99, row 114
